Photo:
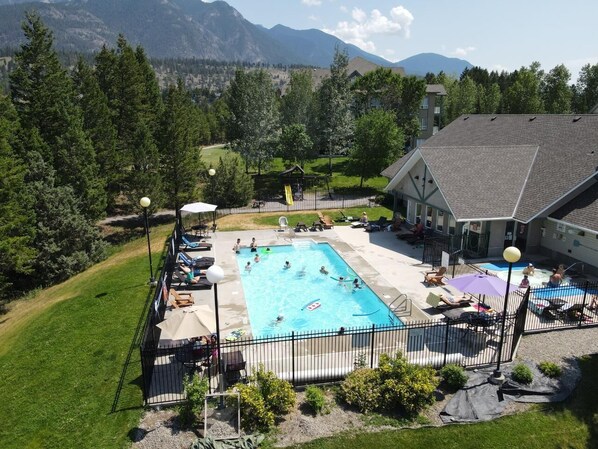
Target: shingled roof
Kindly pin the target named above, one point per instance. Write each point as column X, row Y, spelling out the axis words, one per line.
column 565, row 154
column 581, row 211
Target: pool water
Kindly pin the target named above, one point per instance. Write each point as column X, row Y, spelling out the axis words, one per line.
column 294, row 293
column 540, row 276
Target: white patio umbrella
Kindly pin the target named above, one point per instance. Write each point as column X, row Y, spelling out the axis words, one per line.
column 189, row 322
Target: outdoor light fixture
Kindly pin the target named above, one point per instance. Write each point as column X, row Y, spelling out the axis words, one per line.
column 215, row 274
column 416, row 177
column 511, row 255
column 145, row 202
column 212, row 172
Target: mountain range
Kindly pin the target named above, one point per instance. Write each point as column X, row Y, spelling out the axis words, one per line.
column 192, row 29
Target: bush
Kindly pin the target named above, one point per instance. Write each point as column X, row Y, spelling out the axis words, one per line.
column 254, row 412
column 362, row 389
column 522, row 374
column 277, row 393
column 550, row 369
column 196, row 388
column 315, row 398
column 404, row 385
column 454, row 376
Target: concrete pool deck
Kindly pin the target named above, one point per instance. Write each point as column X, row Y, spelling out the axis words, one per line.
column 389, row 266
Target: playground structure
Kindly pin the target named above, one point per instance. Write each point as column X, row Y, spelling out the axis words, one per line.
column 294, row 181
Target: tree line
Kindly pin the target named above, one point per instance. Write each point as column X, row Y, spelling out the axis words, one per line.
column 529, row 90
column 78, row 144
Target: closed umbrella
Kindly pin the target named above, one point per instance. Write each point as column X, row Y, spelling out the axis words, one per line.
column 189, row 322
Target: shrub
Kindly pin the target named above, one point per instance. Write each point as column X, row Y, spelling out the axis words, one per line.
column 454, row 376
column 315, row 398
column 362, row 389
column 404, row 385
column 550, row 369
column 277, row 393
column 254, row 412
column 196, row 388
column 360, row 360
column 522, row 374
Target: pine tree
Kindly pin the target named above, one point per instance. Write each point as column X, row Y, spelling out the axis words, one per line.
column 335, row 120
column 180, row 157
column 44, row 97
column 16, row 205
column 97, row 123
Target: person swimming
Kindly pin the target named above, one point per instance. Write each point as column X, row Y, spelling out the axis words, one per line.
column 323, row 270
column 287, row 265
column 356, row 284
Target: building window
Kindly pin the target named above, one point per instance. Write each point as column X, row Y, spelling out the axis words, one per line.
column 423, row 123
column 418, row 212
column 425, row 103
column 429, row 212
column 439, row 220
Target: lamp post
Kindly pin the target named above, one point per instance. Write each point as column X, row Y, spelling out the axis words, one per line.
column 511, row 255
column 145, row 202
column 215, row 274
column 212, row 172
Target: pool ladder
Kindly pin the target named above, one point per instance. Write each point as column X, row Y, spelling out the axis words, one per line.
column 400, row 306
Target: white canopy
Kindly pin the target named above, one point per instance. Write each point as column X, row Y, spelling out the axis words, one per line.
column 198, row 207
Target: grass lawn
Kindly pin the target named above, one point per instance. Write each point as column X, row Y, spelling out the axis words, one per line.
column 65, row 374
column 270, row 219
column 573, row 424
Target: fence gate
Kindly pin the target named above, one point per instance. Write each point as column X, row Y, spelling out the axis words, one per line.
column 433, row 248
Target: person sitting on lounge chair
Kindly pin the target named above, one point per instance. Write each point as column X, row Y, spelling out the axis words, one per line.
column 362, row 223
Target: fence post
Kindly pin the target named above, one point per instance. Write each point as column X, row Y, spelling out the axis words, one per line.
column 446, row 340
column 293, row 357
column 372, row 346
column 585, row 297
column 316, row 199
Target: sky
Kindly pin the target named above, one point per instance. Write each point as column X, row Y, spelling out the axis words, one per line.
column 496, row 35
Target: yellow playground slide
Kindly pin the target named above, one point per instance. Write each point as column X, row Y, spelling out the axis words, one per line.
column 288, row 193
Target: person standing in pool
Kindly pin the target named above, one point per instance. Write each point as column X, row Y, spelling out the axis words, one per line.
column 287, row 265
column 253, row 245
column 237, row 246
column 256, row 259
column 248, row 268
column 356, row 284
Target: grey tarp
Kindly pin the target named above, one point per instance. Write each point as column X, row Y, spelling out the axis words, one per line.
column 248, row 442
column 481, row 400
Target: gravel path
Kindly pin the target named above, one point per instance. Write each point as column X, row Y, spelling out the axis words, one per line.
column 558, row 345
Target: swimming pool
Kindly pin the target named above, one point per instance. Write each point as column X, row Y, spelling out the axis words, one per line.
column 306, row 299
column 539, row 277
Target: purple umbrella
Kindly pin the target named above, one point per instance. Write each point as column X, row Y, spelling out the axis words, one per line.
column 481, row 284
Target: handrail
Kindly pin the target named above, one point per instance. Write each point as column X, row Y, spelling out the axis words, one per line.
column 401, row 309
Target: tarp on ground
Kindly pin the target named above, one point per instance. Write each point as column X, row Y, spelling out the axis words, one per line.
column 481, row 400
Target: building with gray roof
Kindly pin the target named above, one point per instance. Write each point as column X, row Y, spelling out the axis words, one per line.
column 491, row 181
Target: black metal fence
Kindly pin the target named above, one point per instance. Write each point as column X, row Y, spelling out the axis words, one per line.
column 324, row 356
column 562, row 307
column 312, row 200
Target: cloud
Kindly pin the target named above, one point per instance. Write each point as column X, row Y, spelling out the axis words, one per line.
column 344, row 9
column 363, row 26
column 462, row 52
column 313, row 18
column 311, row 2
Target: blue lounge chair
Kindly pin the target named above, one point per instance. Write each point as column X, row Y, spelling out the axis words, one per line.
column 197, row 262
column 188, row 244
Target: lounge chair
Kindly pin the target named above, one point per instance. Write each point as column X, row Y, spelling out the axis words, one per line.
column 441, row 302
column 344, row 217
column 189, row 245
column 435, row 277
column 197, row 262
column 378, row 225
column 179, row 300
column 326, row 221
column 201, row 284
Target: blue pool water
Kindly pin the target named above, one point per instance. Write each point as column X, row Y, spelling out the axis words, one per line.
column 270, row 291
column 560, row 292
column 502, row 266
